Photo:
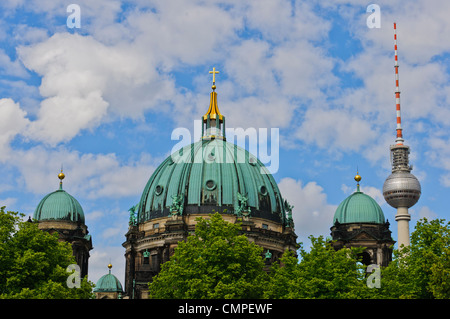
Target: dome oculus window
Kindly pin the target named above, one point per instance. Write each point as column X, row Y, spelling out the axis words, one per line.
column 158, row 190
column 263, row 190
column 210, row 185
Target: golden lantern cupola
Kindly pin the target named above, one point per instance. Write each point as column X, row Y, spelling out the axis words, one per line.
column 213, row 123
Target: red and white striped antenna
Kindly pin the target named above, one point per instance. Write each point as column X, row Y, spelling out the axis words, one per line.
column 399, row 140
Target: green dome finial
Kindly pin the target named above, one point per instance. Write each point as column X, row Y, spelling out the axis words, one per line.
column 357, row 179
column 61, row 177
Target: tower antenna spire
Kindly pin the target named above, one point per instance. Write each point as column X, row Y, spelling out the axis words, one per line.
column 401, row 189
column 399, row 140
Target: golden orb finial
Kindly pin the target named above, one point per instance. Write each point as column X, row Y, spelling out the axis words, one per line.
column 109, row 266
column 61, row 177
column 357, row 179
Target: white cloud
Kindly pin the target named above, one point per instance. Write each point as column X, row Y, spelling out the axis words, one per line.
column 335, row 129
column 86, row 82
column 25, row 34
column 61, row 118
column 11, row 68
column 305, row 70
column 12, row 122
column 87, row 175
column 186, row 32
column 95, row 215
column 123, row 69
column 426, row 212
column 292, row 21
column 445, row 180
column 113, row 232
column 439, row 156
column 312, row 214
column 258, row 112
column 258, row 76
column 82, row 79
column 9, row 202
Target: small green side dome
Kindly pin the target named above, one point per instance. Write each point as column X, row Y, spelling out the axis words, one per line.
column 108, row 283
column 59, row 205
column 359, row 208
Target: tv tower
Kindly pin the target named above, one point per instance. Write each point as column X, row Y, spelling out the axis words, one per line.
column 401, row 189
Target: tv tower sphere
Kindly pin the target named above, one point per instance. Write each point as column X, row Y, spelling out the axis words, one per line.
column 401, row 189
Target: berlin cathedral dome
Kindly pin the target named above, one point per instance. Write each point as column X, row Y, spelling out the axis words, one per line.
column 207, row 176
column 210, row 175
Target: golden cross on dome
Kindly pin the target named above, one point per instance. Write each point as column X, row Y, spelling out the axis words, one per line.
column 213, row 72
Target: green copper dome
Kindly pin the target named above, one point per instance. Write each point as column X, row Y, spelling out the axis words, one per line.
column 359, row 208
column 108, row 283
column 208, row 175
column 212, row 175
column 59, row 205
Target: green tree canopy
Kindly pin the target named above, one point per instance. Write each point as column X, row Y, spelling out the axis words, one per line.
column 421, row 270
column 33, row 262
column 322, row 272
column 214, row 262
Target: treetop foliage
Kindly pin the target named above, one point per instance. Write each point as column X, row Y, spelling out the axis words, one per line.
column 218, row 262
column 33, row 262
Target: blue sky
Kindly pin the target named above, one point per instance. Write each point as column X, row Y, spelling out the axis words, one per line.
column 104, row 99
